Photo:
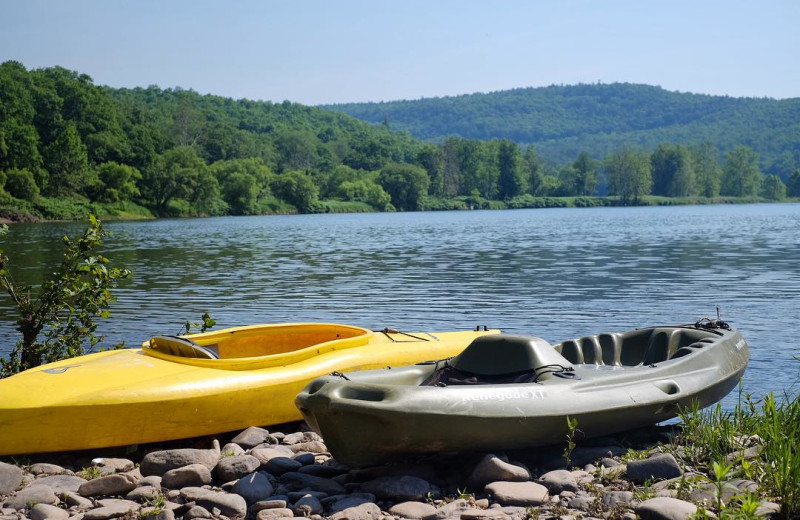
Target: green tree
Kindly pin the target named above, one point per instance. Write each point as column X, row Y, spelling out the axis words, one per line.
column 740, row 174
column 707, row 173
column 533, row 170
column 793, row 187
column 298, row 150
column 405, row 183
column 19, row 139
column 298, row 189
column 773, row 188
column 629, row 175
column 66, row 307
column 451, row 169
column 67, row 162
column 673, row 174
column 117, row 182
column 365, row 190
column 243, row 183
column 174, row 175
column 432, row 159
column 585, row 182
column 21, row 184
column 511, row 181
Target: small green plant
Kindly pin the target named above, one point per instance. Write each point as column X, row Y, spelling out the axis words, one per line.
column 632, row 454
column 743, row 509
column 463, row 493
column 720, row 474
column 646, row 492
column 572, row 428
column 90, row 472
column 531, row 513
column 157, row 502
column 65, row 309
column 193, row 327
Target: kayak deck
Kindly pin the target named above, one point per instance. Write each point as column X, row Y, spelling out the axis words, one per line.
column 479, row 400
column 133, row 396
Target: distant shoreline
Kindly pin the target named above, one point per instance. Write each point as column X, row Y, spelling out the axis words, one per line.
column 10, row 215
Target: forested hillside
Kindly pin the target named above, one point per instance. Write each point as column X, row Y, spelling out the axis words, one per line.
column 563, row 121
column 69, row 148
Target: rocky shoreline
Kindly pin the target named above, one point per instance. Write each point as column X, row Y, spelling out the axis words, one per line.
column 272, row 475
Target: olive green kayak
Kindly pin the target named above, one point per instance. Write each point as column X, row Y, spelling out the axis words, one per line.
column 512, row 392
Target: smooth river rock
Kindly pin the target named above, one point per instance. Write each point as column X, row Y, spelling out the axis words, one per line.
column 191, row 475
column 251, row 437
column 253, row 487
column 229, row 504
column 413, row 510
column 518, row 493
column 658, row 467
column 297, row 481
column 47, row 511
column 35, row 494
column 665, row 508
column 397, row 488
column 368, row 511
column 117, row 484
column 558, row 481
column 159, row 462
column 10, row 478
column 233, row 468
column 492, row 468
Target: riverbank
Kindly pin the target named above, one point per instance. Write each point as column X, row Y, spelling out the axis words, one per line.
column 701, row 467
column 46, row 210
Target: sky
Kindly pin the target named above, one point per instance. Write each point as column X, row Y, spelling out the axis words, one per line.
column 339, row 51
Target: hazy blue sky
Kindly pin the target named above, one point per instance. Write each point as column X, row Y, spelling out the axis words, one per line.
column 339, row 51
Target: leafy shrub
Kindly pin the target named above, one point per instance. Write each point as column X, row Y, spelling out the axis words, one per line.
column 66, row 307
column 21, row 184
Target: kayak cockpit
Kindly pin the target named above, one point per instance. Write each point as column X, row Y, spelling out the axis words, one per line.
column 256, row 346
column 508, row 359
column 638, row 347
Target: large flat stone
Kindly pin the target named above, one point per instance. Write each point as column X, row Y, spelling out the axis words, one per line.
column 35, row 494
column 518, row 493
column 159, row 462
column 229, row 504
column 117, row 484
column 397, row 488
column 665, row 508
column 658, row 467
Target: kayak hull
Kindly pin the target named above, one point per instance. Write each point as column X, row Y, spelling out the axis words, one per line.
column 133, row 396
column 380, row 415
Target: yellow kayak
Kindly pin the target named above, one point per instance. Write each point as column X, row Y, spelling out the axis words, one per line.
column 186, row 386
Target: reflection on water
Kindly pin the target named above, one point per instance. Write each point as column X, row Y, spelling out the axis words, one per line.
column 556, row 273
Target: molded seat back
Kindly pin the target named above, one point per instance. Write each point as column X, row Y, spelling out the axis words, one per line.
column 181, row 347
column 498, row 354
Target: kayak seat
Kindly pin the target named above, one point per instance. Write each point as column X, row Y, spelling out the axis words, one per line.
column 501, row 359
column 504, row 354
column 181, row 347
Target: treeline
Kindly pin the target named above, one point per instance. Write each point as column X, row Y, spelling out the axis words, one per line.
column 562, row 121
column 68, row 147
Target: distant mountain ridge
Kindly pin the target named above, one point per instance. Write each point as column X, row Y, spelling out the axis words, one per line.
column 562, row 121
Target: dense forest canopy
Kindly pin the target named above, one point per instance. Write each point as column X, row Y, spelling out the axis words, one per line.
column 68, row 147
column 563, row 121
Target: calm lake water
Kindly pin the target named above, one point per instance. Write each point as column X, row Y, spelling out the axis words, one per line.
column 555, row 273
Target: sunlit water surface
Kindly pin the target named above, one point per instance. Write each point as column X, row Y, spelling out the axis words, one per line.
column 555, row 273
